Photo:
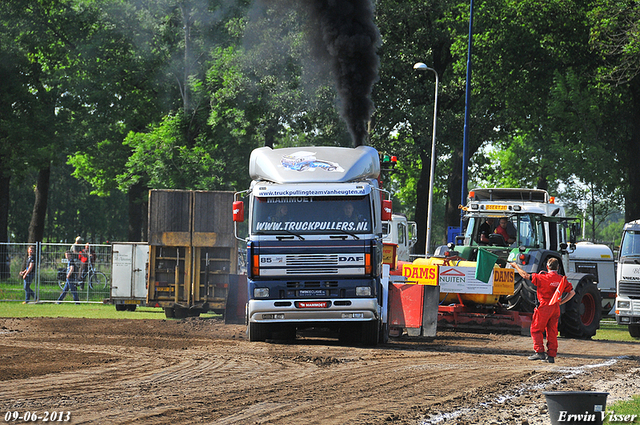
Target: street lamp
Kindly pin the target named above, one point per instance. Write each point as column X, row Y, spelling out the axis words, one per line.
column 467, row 106
column 422, row 67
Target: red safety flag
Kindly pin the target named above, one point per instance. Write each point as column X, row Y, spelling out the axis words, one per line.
column 558, row 294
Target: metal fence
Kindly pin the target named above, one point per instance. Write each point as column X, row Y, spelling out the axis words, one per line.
column 51, row 265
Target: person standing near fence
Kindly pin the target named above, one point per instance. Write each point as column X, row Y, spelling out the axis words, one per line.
column 72, row 272
column 76, row 251
column 76, row 248
column 28, row 274
column 87, row 259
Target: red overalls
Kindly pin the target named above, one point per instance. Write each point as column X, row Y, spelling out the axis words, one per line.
column 545, row 316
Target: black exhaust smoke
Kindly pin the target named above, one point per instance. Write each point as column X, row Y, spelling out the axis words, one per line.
column 344, row 36
column 347, row 37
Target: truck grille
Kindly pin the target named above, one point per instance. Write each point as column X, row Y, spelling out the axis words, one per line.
column 333, row 264
column 629, row 289
column 311, row 271
column 313, row 284
column 312, row 259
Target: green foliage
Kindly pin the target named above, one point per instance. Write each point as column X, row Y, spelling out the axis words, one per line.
column 614, row 35
column 72, row 210
column 163, row 159
column 176, row 94
column 612, row 230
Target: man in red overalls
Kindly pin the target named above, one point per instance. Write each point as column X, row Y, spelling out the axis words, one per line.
column 546, row 315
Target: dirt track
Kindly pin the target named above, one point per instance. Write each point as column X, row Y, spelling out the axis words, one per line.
column 202, row 371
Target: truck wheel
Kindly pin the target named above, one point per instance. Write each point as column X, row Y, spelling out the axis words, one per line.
column 524, row 296
column 347, row 333
column 121, row 307
column 634, row 331
column 258, row 331
column 131, row 307
column 370, row 333
column 582, row 314
column 384, row 334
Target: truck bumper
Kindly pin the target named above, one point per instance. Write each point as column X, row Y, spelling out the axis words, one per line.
column 626, row 319
column 266, row 311
column 630, row 314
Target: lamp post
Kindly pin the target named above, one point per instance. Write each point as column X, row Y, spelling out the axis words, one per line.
column 422, row 67
column 467, row 105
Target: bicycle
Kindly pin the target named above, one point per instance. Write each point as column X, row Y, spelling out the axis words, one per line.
column 95, row 278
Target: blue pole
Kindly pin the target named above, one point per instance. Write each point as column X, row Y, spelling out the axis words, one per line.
column 467, row 103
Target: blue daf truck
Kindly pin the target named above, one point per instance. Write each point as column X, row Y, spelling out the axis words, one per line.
column 314, row 245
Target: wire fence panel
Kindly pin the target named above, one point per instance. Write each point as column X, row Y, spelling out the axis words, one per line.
column 93, row 278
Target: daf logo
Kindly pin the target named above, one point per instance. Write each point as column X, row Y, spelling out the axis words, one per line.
column 350, row 259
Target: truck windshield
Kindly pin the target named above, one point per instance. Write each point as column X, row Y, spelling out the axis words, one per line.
column 630, row 244
column 528, row 228
column 312, row 215
column 528, row 231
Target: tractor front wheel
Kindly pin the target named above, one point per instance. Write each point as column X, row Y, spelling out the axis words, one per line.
column 524, row 296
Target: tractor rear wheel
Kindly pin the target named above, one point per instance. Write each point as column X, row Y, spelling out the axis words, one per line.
column 582, row 314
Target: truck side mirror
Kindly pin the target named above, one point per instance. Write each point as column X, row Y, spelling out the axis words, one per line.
column 386, row 210
column 413, row 231
column 238, row 211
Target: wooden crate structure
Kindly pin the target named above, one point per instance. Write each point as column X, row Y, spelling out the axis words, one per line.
column 192, row 248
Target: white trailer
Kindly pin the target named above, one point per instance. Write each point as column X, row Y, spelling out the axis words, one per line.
column 129, row 269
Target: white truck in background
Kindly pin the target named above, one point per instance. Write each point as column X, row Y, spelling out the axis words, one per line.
column 597, row 260
column 401, row 232
column 628, row 279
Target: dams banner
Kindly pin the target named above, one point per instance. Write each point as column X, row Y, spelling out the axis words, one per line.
column 420, row 274
column 462, row 280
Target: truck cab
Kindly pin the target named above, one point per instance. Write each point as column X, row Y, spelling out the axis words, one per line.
column 401, row 232
column 314, row 248
column 628, row 279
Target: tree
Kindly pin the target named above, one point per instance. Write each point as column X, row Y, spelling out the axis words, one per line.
column 173, row 38
column 615, row 36
column 39, row 36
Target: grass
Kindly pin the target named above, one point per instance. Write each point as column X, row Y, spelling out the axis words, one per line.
column 611, row 331
column 89, row 311
column 622, row 408
column 50, row 291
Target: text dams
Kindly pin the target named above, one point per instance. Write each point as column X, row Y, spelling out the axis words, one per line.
column 422, row 275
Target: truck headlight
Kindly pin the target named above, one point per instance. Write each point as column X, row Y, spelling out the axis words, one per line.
column 363, row 291
column 624, row 304
column 260, row 292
